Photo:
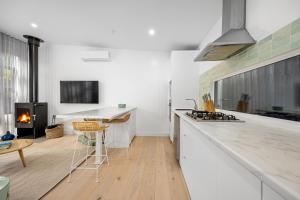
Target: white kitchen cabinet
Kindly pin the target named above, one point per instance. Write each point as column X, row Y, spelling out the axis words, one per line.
column 269, row 194
column 198, row 164
column 204, row 166
column 174, row 126
column 212, row 174
column 235, row 182
column 171, row 127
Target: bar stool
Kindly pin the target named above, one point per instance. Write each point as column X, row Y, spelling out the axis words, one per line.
column 88, row 129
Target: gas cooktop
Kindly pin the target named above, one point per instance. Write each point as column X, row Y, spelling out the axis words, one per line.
column 201, row 116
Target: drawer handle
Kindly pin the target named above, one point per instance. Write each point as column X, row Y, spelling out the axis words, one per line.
column 184, row 135
column 184, row 157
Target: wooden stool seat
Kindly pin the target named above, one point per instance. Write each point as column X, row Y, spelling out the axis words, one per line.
column 121, row 119
column 88, row 126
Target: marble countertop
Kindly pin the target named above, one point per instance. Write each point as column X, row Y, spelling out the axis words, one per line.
column 101, row 113
column 271, row 153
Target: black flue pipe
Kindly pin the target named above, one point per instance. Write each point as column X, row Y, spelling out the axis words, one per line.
column 33, row 44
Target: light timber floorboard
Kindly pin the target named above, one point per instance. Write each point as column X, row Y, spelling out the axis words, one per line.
column 148, row 172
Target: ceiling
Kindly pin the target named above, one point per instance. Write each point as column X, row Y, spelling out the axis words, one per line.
column 124, row 24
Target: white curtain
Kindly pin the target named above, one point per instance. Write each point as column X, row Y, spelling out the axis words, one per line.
column 14, row 79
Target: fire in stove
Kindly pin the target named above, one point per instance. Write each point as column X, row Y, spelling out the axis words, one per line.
column 23, row 118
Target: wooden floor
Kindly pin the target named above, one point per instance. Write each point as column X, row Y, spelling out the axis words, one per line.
column 148, row 171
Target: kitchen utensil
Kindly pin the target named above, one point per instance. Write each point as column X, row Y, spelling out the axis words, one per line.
column 209, row 104
column 209, row 97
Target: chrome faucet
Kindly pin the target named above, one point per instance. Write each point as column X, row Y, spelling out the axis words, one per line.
column 195, row 103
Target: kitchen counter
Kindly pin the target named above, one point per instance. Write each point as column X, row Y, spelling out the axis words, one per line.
column 101, row 113
column 270, row 153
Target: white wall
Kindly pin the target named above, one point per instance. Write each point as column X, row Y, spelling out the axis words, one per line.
column 263, row 17
column 185, row 75
column 137, row 78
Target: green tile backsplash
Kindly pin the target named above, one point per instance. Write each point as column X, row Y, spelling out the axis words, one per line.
column 282, row 41
column 295, row 37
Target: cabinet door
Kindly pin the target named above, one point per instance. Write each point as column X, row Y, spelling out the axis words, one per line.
column 234, row 181
column 198, row 164
column 183, row 141
column 269, row 194
column 204, row 167
column 185, row 156
column 210, row 173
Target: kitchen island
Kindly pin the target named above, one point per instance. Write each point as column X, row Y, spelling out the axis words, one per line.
column 108, row 113
column 234, row 161
column 101, row 113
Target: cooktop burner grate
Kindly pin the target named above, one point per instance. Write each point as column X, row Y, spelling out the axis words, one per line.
column 211, row 116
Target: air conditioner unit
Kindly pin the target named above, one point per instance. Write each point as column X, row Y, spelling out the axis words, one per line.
column 96, row 55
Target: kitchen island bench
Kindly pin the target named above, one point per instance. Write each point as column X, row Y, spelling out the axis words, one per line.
column 116, row 132
column 234, row 161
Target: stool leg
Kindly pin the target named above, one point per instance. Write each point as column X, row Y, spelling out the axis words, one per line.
column 110, row 139
column 73, row 158
column 87, row 151
column 106, row 155
column 112, row 136
column 97, row 175
column 105, row 141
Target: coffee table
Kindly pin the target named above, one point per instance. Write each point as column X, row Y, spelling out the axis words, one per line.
column 18, row 145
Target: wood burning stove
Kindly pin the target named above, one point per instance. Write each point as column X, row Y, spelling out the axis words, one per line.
column 31, row 118
column 24, row 115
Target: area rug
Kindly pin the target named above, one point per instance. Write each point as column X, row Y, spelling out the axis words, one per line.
column 48, row 162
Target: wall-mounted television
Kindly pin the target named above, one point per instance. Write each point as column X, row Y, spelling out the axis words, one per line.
column 79, row 92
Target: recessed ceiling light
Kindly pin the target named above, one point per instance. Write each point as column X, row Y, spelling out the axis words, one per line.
column 33, row 25
column 151, row 32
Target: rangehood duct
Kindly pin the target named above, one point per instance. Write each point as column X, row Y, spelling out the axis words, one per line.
column 235, row 38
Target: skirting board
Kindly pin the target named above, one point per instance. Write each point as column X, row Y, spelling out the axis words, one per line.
column 157, row 134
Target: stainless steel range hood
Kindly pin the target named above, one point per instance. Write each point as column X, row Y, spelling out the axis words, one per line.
column 235, row 37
